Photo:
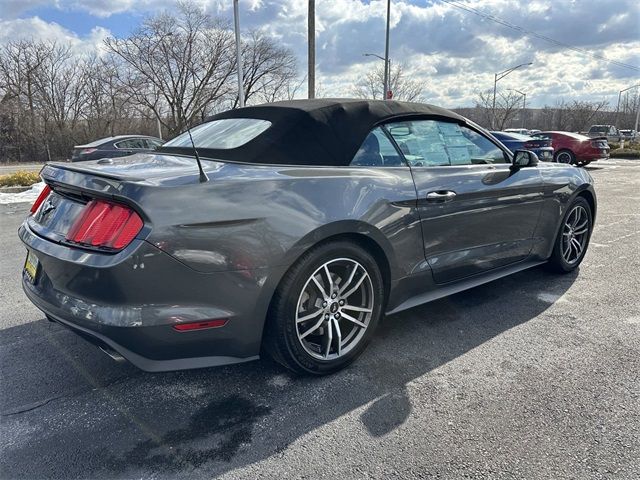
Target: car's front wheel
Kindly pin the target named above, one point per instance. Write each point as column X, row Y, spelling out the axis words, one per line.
column 573, row 237
column 326, row 309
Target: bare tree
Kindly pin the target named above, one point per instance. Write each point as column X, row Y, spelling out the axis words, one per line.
column 269, row 69
column 176, row 66
column 507, row 106
column 581, row 113
column 372, row 85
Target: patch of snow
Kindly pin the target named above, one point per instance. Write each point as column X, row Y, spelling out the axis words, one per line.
column 26, row 196
column 551, row 298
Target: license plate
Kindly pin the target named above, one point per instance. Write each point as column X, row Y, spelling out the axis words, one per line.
column 31, row 265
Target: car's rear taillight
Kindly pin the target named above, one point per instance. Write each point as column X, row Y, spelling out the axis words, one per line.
column 87, row 151
column 105, row 224
column 41, row 198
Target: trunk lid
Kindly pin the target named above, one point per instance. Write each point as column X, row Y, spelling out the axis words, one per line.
column 123, row 181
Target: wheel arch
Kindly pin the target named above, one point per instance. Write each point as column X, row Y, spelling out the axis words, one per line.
column 361, row 233
column 366, row 235
column 591, row 199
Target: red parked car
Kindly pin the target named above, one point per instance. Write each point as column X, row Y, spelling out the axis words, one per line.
column 576, row 149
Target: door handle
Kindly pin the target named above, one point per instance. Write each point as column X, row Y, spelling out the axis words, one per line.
column 441, row 196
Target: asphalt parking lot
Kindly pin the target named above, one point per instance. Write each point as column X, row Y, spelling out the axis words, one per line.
column 532, row 376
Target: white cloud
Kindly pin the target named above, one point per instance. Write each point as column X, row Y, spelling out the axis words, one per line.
column 453, row 52
column 36, row 28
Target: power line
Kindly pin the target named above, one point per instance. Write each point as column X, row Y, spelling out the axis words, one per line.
column 518, row 28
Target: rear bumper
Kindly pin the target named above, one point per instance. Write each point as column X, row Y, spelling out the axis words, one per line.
column 131, row 301
column 593, row 156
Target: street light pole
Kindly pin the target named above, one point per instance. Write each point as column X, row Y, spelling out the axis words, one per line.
column 386, row 54
column 236, row 21
column 618, row 106
column 385, row 84
column 524, row 104
column 497, row 77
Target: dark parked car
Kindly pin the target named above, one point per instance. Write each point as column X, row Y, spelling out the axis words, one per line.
column 576, row 149
column 112, row 147
column 308, row 222
column 514, row 141
column 610, row 132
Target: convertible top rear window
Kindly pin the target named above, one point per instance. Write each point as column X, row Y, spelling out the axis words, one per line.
column 222, row 134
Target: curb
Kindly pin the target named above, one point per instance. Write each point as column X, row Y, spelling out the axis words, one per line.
column 14, row 189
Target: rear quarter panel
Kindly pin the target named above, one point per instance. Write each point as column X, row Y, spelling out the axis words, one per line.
column 250, row 217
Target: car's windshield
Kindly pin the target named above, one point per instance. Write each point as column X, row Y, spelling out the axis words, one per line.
column 221, row 134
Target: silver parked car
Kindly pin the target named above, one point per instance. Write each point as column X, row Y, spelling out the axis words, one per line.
column 308, row 221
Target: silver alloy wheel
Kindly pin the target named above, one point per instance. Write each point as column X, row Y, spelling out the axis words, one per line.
column 574, row 234
column 334, row 309
column 564, row 157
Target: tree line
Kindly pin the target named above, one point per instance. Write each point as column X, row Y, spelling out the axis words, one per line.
column 177, row 69
column 564, row 115
column 170, row 73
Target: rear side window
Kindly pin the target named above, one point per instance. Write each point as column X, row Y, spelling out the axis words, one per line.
column 429, row 143
column 221, row 134
column 132, row 143
column 151, row 143
column 377, row 151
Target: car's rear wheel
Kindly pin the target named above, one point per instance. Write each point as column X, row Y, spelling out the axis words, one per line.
column 326, row 309
column 573, row 237
column 565, row 156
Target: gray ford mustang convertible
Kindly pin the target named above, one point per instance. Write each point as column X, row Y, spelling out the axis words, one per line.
column 306, row 222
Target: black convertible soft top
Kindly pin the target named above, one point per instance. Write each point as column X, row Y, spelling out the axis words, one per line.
column 315, row 132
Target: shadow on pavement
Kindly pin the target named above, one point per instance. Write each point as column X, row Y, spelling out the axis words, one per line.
column 68, row 411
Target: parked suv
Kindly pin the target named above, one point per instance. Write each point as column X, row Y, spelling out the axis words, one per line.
column 609, row 131
column 118, row 146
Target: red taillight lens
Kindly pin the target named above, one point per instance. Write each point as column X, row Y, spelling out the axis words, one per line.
column 41, row 198
column 105, row 224
column 87, row 151
column 186, row 327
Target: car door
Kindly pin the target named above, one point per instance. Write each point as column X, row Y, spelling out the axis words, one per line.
column 477, row 212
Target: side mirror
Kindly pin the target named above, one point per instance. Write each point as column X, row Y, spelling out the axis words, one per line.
column 524, row 158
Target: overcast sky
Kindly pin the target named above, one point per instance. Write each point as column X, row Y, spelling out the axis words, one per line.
column 454, row 53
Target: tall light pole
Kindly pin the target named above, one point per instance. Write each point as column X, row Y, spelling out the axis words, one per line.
column 387, row 62
column 386, row 54
column 311, row 45
column 618, row 106
column 497, row 77
column 236, row 21
column 524, row 104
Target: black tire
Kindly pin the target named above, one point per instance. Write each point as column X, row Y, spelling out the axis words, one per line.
column 557, row 261
column 564, row 156
column 281, row 337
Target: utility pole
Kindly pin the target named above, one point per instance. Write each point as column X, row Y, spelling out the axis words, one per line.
column 311, row 43
column 236, row 21
column 386, row 55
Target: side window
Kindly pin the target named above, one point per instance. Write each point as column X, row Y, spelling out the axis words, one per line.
column 377, row 151
column 151, row 143
column 132, row 143
column 430, row 143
